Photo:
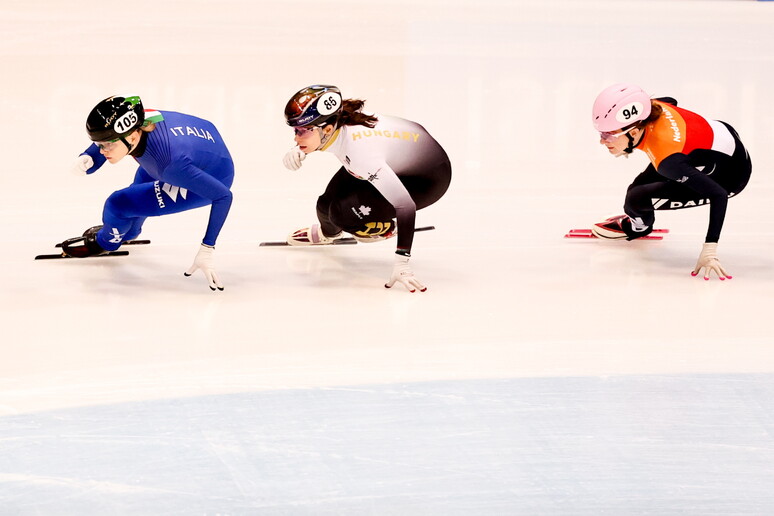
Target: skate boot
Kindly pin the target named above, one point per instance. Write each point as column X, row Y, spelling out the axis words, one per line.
column 619, row 227
column 376, row 232
column 312, row 235
column 85, row 245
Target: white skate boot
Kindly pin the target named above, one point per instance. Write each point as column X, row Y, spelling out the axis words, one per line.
column 612, row 228
column 312, row 235
column 620, row 227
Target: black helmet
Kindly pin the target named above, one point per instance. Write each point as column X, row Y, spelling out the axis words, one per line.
column 115, row 117
column 314, row 105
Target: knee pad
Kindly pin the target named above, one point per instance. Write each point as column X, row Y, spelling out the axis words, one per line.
column 375, row 231
column 372, row 229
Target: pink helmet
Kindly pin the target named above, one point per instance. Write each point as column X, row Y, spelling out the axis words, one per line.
column 619, row 106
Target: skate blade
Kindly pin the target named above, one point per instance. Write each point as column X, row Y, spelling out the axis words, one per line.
column 586, row 233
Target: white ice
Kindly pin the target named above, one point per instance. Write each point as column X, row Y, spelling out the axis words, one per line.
column 536, row 376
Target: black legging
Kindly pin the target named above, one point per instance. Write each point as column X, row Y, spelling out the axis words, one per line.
column 341, row 206
column 651, row 191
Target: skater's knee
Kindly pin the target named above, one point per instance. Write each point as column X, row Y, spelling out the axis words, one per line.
column 323, row 203
column 118, row 202
column 634, row 194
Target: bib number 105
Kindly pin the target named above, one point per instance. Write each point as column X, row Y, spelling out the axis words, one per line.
column 126, row 122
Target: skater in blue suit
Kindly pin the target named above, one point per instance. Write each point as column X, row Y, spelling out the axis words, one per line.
column 184, row 164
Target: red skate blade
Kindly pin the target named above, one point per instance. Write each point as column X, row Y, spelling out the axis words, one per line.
column 579, row 233
column 586, row 233
column 574, row 231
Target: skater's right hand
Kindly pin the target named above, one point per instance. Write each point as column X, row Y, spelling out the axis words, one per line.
column 81, row 165
column 708, row 260
column 401, row 272
column 206, row 263
column 293, row 158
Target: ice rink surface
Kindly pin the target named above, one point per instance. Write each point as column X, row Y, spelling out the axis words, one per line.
column 536, row 376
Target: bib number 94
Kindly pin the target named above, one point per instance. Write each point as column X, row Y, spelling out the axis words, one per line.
column 629, row 112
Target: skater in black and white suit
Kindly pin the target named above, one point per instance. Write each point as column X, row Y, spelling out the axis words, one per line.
column 392, row 167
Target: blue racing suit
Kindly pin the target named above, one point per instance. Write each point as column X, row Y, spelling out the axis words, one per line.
column 184, row 164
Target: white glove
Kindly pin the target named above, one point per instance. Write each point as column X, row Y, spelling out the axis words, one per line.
column 708, row 260
column 81, row 165
column 402, row 272
column 293, row 158
column 205, row 262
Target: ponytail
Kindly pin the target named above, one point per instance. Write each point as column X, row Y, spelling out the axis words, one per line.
column 655, row 112
column 351, row 114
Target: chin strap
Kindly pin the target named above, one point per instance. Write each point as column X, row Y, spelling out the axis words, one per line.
column 128, row 147
column 139, row 149
column 630, row 148
column 324, row 138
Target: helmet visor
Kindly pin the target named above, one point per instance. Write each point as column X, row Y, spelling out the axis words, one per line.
column 107, row 146
column 303, row 131
column 609, row 136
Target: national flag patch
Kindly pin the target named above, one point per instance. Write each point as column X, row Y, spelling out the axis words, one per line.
column 153, row 116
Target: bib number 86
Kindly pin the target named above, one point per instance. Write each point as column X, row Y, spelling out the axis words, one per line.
column 328, row 103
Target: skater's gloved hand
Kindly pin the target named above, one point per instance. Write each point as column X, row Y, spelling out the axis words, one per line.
column 293, row 158
column 401, row 272
column 708, row 260
column 81, row 165
column 205, row 262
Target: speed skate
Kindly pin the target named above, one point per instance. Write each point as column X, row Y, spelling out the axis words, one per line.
column 656, row 234
column 63, row 255
column 619, row 227
column 337, row 241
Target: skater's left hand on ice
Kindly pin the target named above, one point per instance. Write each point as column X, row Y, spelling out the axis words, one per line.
column 401, row 272
column 205, row 262
column 708, row 260
column 293, row 158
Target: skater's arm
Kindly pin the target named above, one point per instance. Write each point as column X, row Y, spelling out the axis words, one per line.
column 677, row 168
column 188, row 176
column 386, row 181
